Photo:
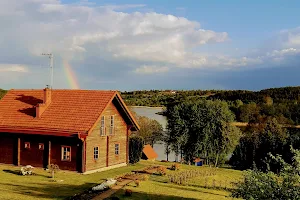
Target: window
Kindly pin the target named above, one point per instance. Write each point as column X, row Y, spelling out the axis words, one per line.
column 102, row 126
column 96, row 153
column 41, row 146
column 27, row 145
column 117, row 149
column 112, row 122
column 66, row 153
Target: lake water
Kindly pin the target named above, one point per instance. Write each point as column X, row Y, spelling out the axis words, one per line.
column 151, row 113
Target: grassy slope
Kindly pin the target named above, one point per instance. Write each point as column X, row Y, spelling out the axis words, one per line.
column 16, row 187
column 197, row 188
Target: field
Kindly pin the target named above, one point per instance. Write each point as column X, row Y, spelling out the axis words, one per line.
column 217, row 186
column 39, row 186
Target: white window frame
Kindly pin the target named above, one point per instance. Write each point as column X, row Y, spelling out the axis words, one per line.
column 65, row 154
column 102, row 126
column 112, row 125
column 96, row 153
column 117, row 149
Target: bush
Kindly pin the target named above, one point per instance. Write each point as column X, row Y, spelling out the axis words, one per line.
column 128, row 192
column 145, row 177
column 161, row 171
column 137, row 183
column 175, row 166
column 136, row 145
column 259, row 185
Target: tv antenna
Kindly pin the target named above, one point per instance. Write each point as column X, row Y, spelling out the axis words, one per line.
column 51, row 67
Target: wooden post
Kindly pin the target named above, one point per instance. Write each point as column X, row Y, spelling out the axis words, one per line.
column 49, row 153
column 107, row 150
column 83, row 155
column 127, row 144
column 19, row 151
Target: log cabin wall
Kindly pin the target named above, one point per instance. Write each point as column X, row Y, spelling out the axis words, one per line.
column 106, row 143
column 23, row 149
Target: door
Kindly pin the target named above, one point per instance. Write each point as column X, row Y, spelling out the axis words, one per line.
column 7, row 144
column 32, row 152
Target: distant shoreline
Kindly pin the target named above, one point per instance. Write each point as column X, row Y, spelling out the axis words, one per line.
column 146, row 107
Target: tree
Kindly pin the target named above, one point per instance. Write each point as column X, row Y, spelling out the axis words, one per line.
column 259, row 185
column 136, row 145
column 150, row 129
column 202, row 128
column 259, row 139
column 53, row 168
column 249, row 112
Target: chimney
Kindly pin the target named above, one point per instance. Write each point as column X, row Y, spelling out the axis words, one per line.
column 41, row 107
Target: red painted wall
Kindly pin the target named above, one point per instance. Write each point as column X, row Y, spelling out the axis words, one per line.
column 7, row 149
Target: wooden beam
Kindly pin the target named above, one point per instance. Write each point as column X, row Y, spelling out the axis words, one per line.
column 83, row 156
column 107, row 150
column 19, row 151
column 49, row 153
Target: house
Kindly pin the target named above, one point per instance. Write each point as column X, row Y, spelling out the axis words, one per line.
column 149, row 153
column 79, row 130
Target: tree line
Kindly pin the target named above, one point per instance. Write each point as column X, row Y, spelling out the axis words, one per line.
column 280, row 103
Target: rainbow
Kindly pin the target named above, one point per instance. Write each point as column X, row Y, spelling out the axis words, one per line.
column 72, row 80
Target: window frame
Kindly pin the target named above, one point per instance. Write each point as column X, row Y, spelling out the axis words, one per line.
column 112, row 125
column 102, row 126
column 97, row 153
column 62, row 153
column 117, row 144
column 27, row 145
column 41, row 146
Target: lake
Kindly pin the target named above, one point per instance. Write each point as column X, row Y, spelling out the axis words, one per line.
column 150, row 112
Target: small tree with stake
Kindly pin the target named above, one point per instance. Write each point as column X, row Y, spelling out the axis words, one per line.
column 53, row 168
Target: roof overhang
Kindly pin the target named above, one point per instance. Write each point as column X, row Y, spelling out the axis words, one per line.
column 134, row 125
column 41, row 131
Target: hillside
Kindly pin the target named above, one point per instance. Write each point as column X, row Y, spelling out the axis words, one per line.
column 2, row 93
column 281, row 103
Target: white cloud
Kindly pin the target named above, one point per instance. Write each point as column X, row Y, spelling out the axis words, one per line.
column 151, row 69
column 13, row 68
column 92, row 36
column 72, row 29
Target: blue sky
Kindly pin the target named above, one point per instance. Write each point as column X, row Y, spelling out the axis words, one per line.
column 132, row 45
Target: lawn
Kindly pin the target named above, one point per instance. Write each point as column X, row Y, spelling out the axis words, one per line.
column 217, row 186
column 39, row 186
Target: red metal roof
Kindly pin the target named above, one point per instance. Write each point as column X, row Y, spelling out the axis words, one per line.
column 149, row 152
column 69, row 111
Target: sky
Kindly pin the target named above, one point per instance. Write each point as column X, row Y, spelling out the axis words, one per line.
column 157, row 44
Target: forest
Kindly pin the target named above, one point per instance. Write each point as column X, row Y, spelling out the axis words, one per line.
column 247, row 106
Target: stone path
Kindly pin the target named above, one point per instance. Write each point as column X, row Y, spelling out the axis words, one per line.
column 113, row 190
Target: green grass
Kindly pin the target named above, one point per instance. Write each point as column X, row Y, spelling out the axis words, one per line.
column 197, row 188
column 39, row 186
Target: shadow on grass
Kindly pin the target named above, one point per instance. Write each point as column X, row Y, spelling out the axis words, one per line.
column 213, row 188
column 51, row 190
column 193, row 190
column 18, row 172
column 145, row 196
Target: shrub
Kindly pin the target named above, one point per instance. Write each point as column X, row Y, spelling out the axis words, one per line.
column 137, row 183
column 175, row 166
column 128, row 192
column 260, row 185
column 53, row 168
column 145, row 177
column 161, row 171
column 136, row 144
